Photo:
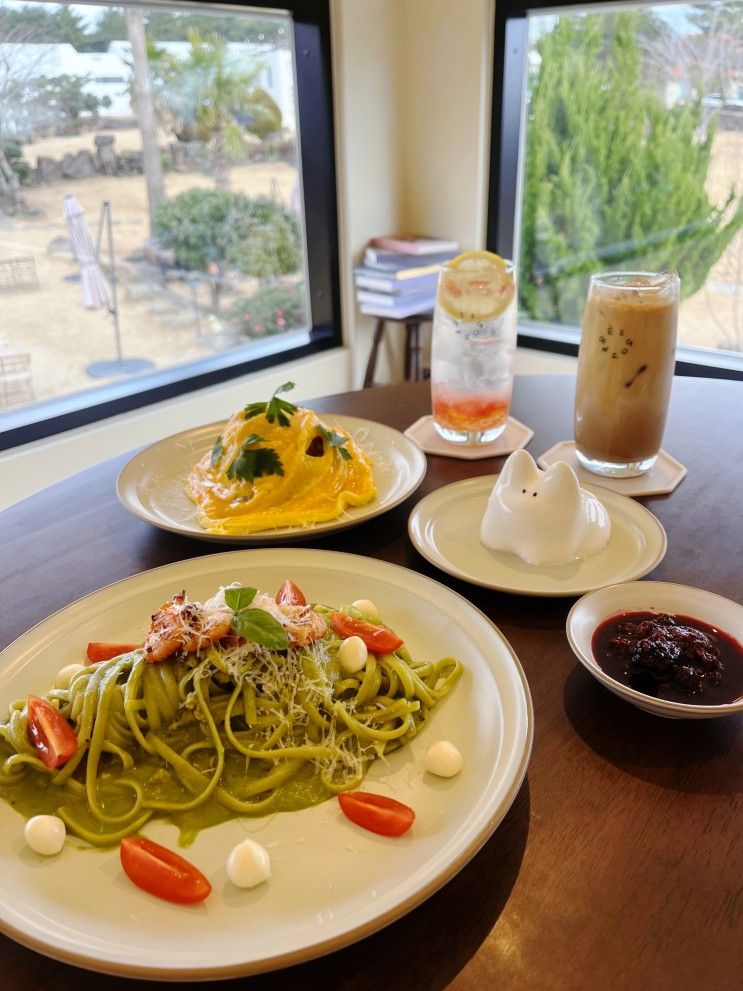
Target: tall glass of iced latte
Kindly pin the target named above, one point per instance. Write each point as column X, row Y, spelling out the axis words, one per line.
column 625, row 370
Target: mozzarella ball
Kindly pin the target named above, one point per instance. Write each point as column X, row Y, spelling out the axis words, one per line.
column 367, row 609
column 66, row 674
column 45, row 834
column 248, row 864
column 443, row 759
column 352, row 654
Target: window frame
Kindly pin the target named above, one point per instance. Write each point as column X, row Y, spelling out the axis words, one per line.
column 316, row 150
column 508, row 118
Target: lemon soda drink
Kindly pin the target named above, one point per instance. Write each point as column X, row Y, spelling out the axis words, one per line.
column 472, row 347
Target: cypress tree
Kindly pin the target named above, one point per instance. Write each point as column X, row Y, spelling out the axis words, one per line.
column 613, row 178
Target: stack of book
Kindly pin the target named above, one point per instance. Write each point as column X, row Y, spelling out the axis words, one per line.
column 398, row 276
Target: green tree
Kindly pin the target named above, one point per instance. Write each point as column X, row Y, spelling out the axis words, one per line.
column 724, row 15
column 177, row 25
column 613, row 178
column 215, row 231
column 209, row 96
column 110, row 26
column 33, row 22
column 174, row 25
column 63, row 101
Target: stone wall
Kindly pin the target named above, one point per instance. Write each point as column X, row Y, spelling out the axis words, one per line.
column 179, row 156
column 105, row 160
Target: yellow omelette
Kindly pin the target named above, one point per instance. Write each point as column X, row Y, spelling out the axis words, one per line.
column 317, row 481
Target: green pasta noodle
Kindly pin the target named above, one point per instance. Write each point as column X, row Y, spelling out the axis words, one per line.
column 230, row 728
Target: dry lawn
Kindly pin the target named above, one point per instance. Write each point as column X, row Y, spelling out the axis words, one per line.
column 52, row 325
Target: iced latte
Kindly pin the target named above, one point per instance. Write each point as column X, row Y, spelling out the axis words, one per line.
column 625, row 370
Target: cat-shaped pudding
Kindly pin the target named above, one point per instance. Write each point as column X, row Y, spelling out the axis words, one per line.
column 544, row 517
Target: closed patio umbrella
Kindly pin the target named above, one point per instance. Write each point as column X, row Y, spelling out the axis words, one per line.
column 97, row 291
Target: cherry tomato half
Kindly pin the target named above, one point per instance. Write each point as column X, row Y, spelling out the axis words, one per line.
column 378, row 639
column 290, row 595
column 161, row 872
column 105, row 651
column 50, row 733
column 376, row 813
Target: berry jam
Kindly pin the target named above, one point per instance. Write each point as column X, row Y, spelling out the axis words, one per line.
column 676, row 658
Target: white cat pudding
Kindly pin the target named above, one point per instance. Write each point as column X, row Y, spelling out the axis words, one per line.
column 544, row 517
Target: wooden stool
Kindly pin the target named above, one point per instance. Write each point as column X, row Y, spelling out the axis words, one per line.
column 414, row 370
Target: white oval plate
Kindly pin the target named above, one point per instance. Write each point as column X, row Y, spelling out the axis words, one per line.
column 151, row 485
column 445, row 529
column 590, row 611
column 332, row 882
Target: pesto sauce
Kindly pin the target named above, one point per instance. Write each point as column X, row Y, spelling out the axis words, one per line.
column 35, row 793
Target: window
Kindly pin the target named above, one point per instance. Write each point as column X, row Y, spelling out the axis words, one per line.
column 618, row 144
column 163, row 169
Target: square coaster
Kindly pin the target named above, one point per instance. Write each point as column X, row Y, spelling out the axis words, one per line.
column 515, row 436
column 662, row 478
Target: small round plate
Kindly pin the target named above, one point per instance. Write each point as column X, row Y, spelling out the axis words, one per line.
column 590, row 611
column 445, row 529
column 151, row 485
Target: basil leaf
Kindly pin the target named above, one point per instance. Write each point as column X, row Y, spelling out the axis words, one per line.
column 258, row 626
column 239, row 598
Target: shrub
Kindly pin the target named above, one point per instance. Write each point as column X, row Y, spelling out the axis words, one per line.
column 207, row 227
column 272, row 310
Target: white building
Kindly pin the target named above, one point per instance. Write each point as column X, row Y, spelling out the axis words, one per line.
column 107, row 74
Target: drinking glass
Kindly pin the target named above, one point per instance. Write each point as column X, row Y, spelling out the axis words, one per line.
column 473, row 345
column 625, row 370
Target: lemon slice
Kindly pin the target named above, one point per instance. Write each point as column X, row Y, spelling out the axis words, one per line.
column 476, row 285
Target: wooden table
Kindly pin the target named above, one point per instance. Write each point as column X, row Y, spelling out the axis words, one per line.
column 619, row 865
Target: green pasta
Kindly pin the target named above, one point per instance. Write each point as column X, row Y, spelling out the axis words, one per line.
column 232, row 729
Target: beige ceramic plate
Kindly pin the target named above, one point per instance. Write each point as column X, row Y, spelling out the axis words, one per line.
column 332, row 882
column 151, row 485
column 445, row 528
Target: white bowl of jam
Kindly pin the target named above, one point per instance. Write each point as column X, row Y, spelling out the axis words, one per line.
column 670, row 649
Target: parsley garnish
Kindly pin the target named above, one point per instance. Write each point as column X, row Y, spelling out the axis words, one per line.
column 255, row 625
column 252, row 464
column 217, row 452
column 336, row 440
column 275, row 410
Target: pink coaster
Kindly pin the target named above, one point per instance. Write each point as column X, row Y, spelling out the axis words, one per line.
column 662, row 478
column 424, row 434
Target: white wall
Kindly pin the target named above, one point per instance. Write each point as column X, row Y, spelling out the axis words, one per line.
column 369, row 52
column 447, row 70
